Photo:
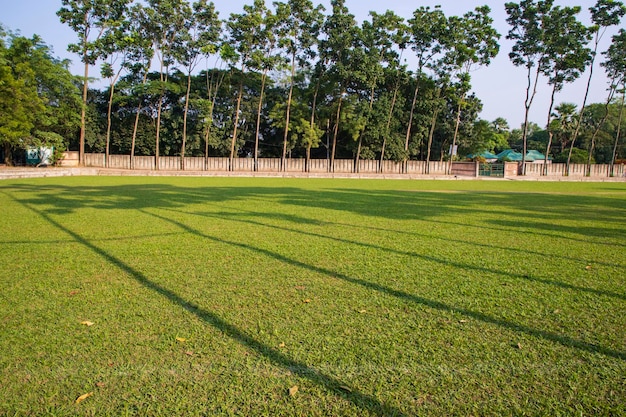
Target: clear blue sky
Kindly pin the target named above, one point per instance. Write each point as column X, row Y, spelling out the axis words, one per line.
column 501, row 86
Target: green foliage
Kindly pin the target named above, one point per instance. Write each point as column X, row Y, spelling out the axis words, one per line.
column 39, row 103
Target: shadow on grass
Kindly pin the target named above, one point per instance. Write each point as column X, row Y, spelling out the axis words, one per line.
column 332, row 385
column 559, row 284
column 437, row 305
column 386, row 204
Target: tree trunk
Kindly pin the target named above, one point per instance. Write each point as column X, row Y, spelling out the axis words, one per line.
column 83, row 117
column 258, row 122
column 617, row 134
column 431, row 134
column 108, row 137
column 408, row 129
column 331, row 168
column 234, row 140
column 527, row 104
column 313, row 107
column 550, row 134
column 186, row 111
column 582, row 109
column 288, row 115
column 159, row 110
column 136, row 127
column 358, row 149
column 391, row 108
column 456, row 134
column 592, row 145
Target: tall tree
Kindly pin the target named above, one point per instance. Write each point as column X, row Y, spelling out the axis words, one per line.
column 140, row 62
column 340, row 52
column 199, row 38
column 615, row 67
column 604, row 14
column 166, row 19
column 299, row 30
column 428, row 29
column 474, row 44
column 90, row 19
column 244, row 34
column 116, row 49
column 567, row 56
column 528, row 21
column 264, row 59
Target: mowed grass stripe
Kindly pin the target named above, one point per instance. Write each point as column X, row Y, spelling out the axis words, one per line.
column 374, row 297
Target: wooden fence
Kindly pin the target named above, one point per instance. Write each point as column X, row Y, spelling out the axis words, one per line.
column 347, row 166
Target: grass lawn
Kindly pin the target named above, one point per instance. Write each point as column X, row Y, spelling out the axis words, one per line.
column 216, row 296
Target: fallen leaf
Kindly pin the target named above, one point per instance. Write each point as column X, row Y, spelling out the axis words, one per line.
column 588, row 267
column 189, row 353
column 281, row 345
column 300, row 287
column 87, row 323
column 307, row 301
column 362, row 311
column 83, row 397
column 462, row 321
column 73, row 292
column 293, row 390
column 100, row 384
column 345, row 388
column 557, row 311
column 519, row 346
column 181, row 339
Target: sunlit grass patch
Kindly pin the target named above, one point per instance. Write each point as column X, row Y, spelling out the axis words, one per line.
column 215, row 296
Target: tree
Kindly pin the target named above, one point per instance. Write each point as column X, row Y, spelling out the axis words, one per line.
column 428, row 29
column 166, row 21
column 563, row 123
column 39, row 102
column 604, row 14
column 299, row 30
column 339, row 51
column 91, row 20
column 528, row 21
column 474, row 43
column 566, row 55
column 139, row 62
column 18, row 100
column 615, row 66
column 245, row 34
column 199, row 38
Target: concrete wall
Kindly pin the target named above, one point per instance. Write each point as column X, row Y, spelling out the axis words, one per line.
column 273, row 165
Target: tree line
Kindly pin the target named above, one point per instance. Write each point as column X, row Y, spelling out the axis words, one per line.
column 294, row 80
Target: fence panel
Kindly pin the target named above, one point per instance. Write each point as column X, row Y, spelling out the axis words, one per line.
column 144, row 162
column 169, row 163
column 94, row 160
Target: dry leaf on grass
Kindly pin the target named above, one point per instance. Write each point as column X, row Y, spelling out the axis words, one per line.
column 588, row 267
column 293, row 390
column 189, row 353
column 281, row 345
column 83, row 397
column 181, row 339
column 308, row 300
column 87, row 323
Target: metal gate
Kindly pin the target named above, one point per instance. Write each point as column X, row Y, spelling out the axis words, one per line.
column 491, row 170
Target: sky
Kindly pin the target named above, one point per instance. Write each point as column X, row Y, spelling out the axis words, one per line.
column 501, row 86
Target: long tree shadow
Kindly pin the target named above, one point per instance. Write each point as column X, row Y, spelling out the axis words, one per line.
column 333, row 385
column 437, row 305
column 234, row 217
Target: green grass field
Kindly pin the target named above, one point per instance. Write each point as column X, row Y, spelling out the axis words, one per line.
column 215, row 296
